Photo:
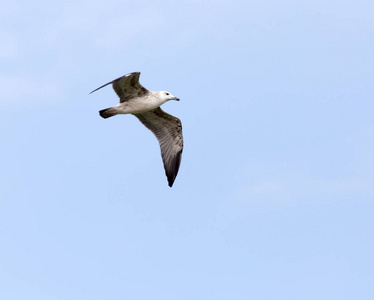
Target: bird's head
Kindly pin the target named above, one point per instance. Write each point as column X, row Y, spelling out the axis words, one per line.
column 166, row 96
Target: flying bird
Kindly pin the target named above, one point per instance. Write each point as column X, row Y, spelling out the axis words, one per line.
column 145, row 105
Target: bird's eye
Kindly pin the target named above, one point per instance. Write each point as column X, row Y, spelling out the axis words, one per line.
column 167, row 94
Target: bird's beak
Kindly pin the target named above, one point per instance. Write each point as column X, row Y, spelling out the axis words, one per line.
column 175, row 98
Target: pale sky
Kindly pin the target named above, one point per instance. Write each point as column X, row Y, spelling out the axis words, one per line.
column 275, row 194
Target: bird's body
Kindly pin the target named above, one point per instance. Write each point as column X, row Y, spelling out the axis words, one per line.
column 145, row 105
column 138, row 105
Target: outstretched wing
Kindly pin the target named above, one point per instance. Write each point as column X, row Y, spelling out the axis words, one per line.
column 127, row 86
column 168, row 131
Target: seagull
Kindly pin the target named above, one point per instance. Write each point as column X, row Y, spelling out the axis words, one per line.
column 145, row 105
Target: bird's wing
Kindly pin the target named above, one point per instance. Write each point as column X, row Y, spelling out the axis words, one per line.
column 127, row 86
column 168, row 131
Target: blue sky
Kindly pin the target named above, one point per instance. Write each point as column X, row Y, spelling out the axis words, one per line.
column 275, row 193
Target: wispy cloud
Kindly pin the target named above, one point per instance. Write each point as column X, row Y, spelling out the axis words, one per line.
column 9, row 47
column 275, row 184
column 26, row 91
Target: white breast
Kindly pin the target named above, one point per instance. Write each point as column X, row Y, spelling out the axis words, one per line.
column 139, row 105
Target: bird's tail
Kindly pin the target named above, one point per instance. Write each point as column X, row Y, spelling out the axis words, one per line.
column 108, row 112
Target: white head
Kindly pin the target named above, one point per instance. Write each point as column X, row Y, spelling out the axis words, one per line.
column 166, row 96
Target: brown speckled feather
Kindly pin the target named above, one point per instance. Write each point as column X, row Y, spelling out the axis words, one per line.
column 168, row 131
column 127, row 87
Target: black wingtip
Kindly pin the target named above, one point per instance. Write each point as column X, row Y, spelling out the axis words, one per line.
column 171, row 181
column 171, row 177
column 99, row 88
